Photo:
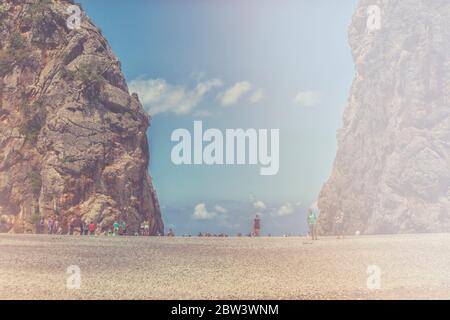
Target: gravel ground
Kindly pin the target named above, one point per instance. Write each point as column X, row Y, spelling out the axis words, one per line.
column 412, row 266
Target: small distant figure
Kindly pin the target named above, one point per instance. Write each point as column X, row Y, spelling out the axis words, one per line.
column 124, row 228
column 92, row 228
column 41, row 226
column 85, row 229
column 71, row 226
column 339, row 225
column 81, row 228
column 146, row 228
column 55, row 227
column 50, row 226
column 115, row 229
column 312, row 221
column 171, row 234
column 257, row 226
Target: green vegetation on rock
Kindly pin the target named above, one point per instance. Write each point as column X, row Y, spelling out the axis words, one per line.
column 35, row 182
column 32, row 127
column 16, row 53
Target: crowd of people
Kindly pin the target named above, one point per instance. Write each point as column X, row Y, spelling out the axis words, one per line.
column 76, row 226
column 119, row 228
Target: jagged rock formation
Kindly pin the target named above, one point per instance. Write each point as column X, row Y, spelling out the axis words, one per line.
column 73, row 142
column 392, row 169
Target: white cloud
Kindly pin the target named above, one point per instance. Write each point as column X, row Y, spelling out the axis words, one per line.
column 235, row 93
column 257, row 96
column 307, row 98
column 220, row 209
column 158, row 96
column 201, row 213
column 285, row 210
column 259, row 205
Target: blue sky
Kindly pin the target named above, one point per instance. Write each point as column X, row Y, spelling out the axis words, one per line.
column 284, row 65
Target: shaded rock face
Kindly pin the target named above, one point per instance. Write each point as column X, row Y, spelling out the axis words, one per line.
column 73, row 142
column 392, row 169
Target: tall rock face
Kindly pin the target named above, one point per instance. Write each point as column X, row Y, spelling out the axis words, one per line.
column 73, row 144
column 392, row 169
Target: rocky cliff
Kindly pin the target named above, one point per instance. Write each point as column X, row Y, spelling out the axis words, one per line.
column 73, row 142
column 392, row 169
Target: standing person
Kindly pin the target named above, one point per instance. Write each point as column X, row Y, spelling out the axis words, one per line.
column 92, row 228
column 312, row 221
column 85, row 229
column 339, row 225
column 115, row 228
column 81, row 227
column 141, row 227
column 171, row 234
column 71, row 226
column 257, row 226
column 42, row 225
column 146, row 228
column 50, row 226
column 56, row 227
column 124, row 228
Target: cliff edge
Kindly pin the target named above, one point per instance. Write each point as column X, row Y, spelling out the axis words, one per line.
column 392, row 169
column 73, row 143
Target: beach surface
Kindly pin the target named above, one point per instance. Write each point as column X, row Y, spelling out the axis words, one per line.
column 365, row 267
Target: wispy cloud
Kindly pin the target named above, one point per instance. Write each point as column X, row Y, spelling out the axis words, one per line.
column 259, row 205
column 257, row 96
column 235, row 93
column 220, row 209
column 158, row 96
column 285, row 210
column 307, row 98
column 201, row 213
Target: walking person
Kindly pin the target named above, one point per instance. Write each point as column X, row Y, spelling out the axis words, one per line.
column 257, row 226
column 124, row 228
column 141, row 227
column 71, row 227
column 312, row 221
column 115, row 229
column 55, row 227
column 85, row 229
column 92, row 228
column 81, row 228
column 339, row 225
column 146, row 228
column 41, row 228
column 50, row 226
